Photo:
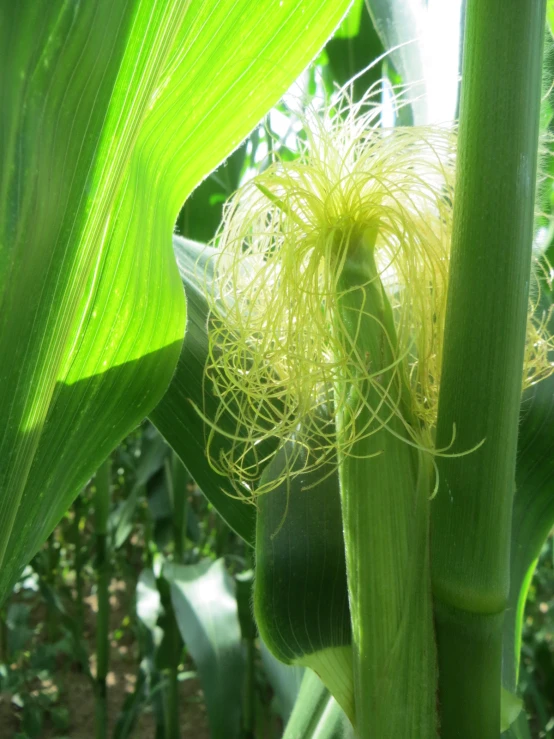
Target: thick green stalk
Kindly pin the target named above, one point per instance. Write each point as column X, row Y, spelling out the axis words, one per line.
column 172, row 649
column 79, row 564
column 172, row 730
column 249, row 634
column 3, row 637
column 249, row 717
column 177, row 479
column 385, row 499
column 101, row 514
column 483, row 355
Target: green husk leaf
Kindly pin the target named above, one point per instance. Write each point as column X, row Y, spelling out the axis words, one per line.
column 300, row 592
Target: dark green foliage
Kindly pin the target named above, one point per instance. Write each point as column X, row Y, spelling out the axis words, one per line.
column 301, row 600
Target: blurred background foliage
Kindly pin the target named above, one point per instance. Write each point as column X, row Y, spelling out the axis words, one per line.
column 139, row 604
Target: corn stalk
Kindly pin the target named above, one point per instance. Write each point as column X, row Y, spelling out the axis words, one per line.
column 483, row 356
column 103, row 575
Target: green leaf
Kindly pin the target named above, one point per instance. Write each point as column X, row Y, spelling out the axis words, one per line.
column 176, row 416
column 300, row 591
column 148, row 602
column 285, row 681
column 154, row 452
column 519, row 729
column 533, row 513
column 316, row 714
column 350, row 27
column 112, row 112
column 206, row 611
column 349, row 55
column 122, row 520
column 201, row 215
column 510, row 708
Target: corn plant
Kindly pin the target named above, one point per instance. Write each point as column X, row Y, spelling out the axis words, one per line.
column 348, row 389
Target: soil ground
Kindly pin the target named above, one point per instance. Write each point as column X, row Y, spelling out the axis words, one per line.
column 76, row 693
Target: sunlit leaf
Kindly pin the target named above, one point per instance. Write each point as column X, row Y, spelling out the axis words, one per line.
column 350, row 26
column 112, row 112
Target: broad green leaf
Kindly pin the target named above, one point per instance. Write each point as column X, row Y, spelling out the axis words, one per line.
column 154, row 453
column 200, row 217
column 112, row 112
column 206, row 611
column 300, row 592
column 533, row 512
column 148, row 601
column 510, row 709
column 122, row 521
column 519, row 729
column 350, row 27
column 348, row 56
column 176, row 416
column 532, row 521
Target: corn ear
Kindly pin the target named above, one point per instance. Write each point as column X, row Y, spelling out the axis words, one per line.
column 385, row 488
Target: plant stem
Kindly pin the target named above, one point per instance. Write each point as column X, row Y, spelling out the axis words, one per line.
column 249, row 633
column 3, row 636
column 50, row 581
column 483, row 355
column 249, row 719
column 171, row 694
column 79, row 563
column 177, row 479
column 101, row 514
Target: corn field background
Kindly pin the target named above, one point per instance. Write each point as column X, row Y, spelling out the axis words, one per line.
column 134, row 618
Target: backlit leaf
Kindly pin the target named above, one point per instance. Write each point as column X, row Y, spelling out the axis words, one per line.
column 112, row 112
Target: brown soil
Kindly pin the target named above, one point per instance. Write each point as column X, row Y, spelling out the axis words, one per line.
column 76, row 693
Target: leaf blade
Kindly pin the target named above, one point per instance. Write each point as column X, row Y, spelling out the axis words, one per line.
column 206, row 611
column 98, row 160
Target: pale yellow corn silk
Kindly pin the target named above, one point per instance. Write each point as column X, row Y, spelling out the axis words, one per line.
column 274, row 352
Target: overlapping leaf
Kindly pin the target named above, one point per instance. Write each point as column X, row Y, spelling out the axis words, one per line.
column 112, row 111
column 206, row 611
column 176, row 416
